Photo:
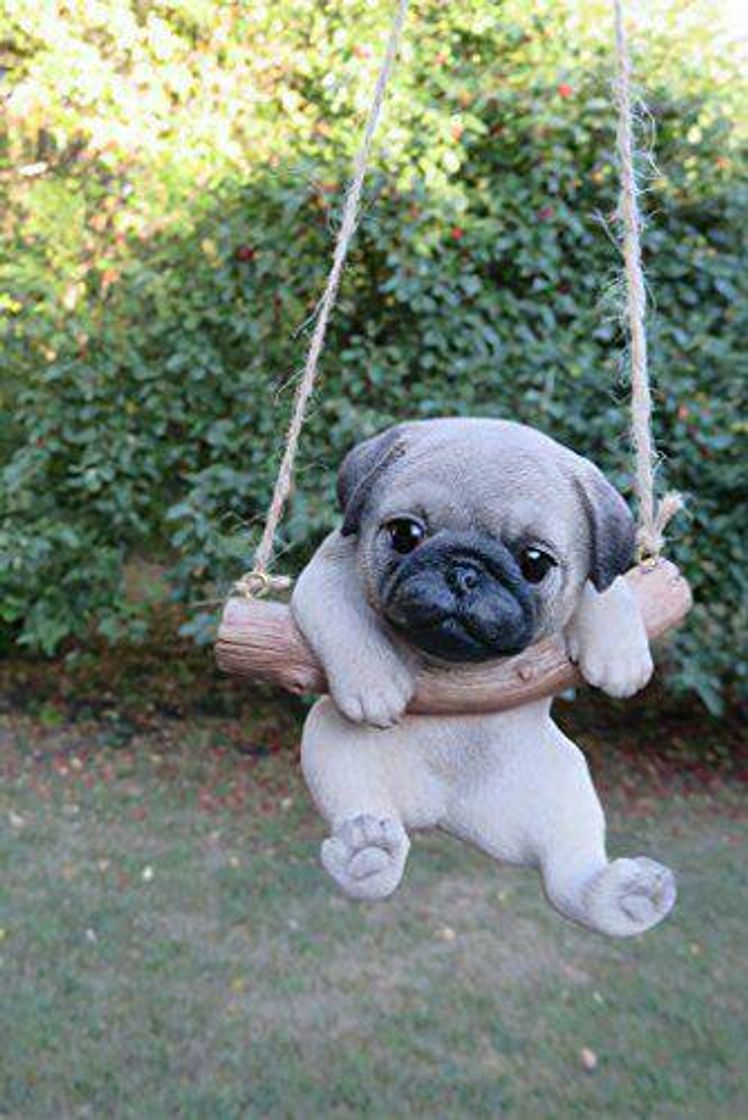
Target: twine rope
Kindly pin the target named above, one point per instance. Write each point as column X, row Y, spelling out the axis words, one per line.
column 653, row 515
column 259, row 578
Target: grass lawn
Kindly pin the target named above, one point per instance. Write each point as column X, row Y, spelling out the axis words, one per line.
column 171, row 947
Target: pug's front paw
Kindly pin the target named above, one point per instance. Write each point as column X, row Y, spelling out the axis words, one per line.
column 606, row 638
column 620, row 671
column 379, row 699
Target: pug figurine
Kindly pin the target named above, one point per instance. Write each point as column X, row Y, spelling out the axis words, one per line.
column 465, row 540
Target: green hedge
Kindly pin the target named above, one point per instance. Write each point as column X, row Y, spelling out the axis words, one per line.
column 164, row 254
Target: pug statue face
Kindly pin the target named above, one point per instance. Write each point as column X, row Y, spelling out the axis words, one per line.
column 475, row 537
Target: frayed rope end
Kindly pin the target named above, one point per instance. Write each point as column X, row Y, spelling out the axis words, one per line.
column 650, row 539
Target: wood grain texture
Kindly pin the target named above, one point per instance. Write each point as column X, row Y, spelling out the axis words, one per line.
column 259, row 639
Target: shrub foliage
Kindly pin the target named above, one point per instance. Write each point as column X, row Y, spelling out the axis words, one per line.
column 172, row 177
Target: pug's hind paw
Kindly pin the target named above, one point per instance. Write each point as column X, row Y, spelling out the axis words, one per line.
column 629, row 896
column 366, row 856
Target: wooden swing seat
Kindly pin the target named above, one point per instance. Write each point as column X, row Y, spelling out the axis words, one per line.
column 259, row 639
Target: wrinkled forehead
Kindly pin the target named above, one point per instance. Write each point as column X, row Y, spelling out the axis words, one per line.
column 506, row 491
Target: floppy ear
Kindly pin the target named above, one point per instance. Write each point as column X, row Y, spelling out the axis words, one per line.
column 611, row 525
column 360, row 470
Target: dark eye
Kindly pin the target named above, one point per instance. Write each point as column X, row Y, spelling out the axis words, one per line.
column 405, row 534
column 535, row 564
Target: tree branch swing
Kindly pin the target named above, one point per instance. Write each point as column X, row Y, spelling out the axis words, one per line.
column 259, row 639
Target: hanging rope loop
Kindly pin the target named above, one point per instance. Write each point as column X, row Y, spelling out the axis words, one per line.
column 653, row 516
column 258, row 581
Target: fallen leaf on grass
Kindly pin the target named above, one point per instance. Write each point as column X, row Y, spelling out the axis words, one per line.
column 588, row 1058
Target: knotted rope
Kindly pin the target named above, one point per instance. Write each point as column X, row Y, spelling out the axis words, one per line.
column 259, row 579
column 653, row 516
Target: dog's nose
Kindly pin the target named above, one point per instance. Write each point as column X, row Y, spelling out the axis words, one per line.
column 463, row 577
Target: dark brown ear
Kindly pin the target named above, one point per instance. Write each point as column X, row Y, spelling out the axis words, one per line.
column 611, row 525
column 361, row 469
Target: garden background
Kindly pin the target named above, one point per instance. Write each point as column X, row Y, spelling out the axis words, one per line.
column 171, row 180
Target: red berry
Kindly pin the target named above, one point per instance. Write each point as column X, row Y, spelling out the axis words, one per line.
column 456, row 233
column 245, row 253
column 565, row 90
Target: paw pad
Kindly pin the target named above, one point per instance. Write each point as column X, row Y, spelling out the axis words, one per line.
column 366, row 855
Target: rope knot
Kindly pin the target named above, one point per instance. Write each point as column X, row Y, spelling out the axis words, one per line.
column 650, row 536
column 256, row 583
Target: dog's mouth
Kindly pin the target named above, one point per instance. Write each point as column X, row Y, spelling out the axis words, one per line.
column 454, row 640
column 460, row 603
column 460, row 636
